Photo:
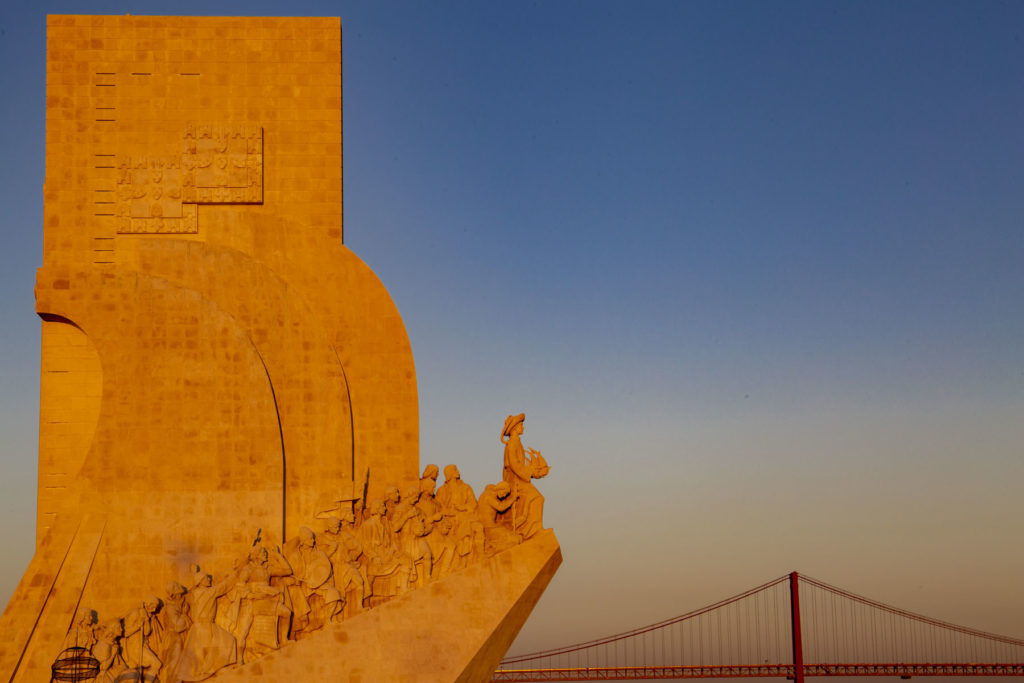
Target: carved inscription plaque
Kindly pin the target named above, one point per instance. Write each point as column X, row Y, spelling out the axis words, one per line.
column 218, row 165
column 149, row 197
column 223, row 164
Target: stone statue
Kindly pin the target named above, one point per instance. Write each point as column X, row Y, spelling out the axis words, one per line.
column 411, row 527
column 525, row 515
column 404, row 510
column 315, row 600
column 349, row 574
column 175, row 622
column 141, row 635
column 443, row 548
column 455, row 495
column 208, row 647
column 458, row 504
column 431, row 510
column 391, row 500
column 428, row 480
column 427, row 502
column 383, row 556
column 108, row 651
column 494, row 501
column 255, row 601
column 83, row 631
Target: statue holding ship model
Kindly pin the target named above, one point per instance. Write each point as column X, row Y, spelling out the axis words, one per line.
column 521, row 466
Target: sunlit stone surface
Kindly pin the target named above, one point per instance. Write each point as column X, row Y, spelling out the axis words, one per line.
column 217, row 367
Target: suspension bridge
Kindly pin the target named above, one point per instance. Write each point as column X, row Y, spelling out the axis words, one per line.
column 792, row 627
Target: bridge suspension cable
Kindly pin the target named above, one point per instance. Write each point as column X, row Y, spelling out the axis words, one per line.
column 840, row 626
column 761, row 632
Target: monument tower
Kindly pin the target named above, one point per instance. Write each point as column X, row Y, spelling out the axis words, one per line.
column 214, row 360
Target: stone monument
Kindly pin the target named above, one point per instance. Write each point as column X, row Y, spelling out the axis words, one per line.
column 228, row 407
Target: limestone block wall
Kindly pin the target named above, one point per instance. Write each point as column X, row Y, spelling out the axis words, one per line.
column 71, row 384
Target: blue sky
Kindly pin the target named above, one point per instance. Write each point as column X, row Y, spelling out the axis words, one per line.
column 752, row 270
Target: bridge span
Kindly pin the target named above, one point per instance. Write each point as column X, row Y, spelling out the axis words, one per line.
column 792, row 627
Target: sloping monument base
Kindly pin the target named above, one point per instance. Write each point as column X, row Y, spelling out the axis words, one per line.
column 36, row 619
column 457, row 629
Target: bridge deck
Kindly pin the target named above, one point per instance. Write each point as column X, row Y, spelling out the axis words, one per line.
column 633, row 673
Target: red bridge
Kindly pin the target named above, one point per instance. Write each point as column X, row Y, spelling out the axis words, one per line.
column 791, row 627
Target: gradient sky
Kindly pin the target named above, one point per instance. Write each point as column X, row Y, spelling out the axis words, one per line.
column 753, row 270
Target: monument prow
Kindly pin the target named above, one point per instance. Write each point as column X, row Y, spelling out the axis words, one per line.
column 220, row 375
column 455, row 629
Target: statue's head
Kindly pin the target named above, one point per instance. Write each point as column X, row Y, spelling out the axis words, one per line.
column 307, row 537
column 451, row 472
column 430, row 472
column 502, row 489
column 87, row 617
column 513, row 426
column 175, row 589
column 333, row 525
column 377, row 507
column 412, row 494
column 391, row 494
column 347, row 515
column 152, row 604
column 428, row 485
column 259, row 554
column 112, row 629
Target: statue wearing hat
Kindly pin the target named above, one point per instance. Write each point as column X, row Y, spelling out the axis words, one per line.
column 524, row 517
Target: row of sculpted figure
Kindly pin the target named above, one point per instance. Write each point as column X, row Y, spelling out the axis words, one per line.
column 367, row 553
